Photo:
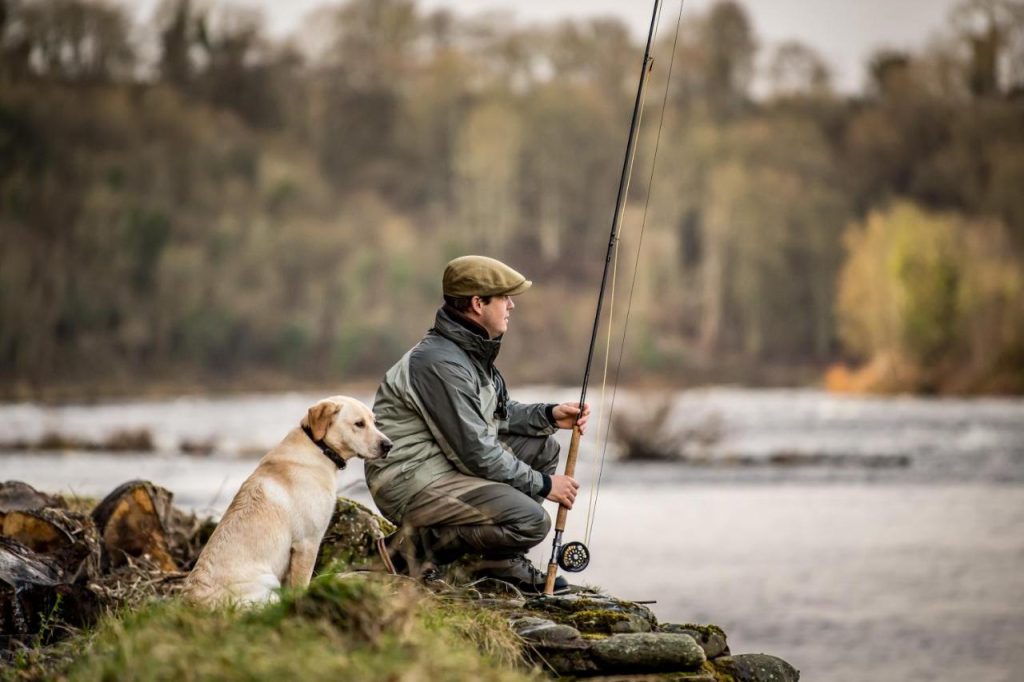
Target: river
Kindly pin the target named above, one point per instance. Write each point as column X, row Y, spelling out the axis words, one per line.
column 858, row 538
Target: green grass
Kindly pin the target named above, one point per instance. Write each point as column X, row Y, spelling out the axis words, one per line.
column 354, row 627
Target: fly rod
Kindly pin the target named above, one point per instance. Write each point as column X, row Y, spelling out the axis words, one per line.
column 575, row 556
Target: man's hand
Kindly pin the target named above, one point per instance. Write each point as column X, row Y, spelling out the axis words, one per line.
column 563, row 490
column 565, row 415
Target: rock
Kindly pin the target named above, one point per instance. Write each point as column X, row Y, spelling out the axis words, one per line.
column 573, row 658
column 657, row 677
column 351, row 537
column 649, row 652
column 595, row 614
column 756, row 668
column 710, row 637
column 542, row 630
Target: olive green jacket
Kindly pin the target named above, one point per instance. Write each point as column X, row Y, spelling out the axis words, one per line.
column 444, row 406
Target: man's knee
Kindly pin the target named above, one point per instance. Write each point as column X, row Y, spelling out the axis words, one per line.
column 548, row 460
column 536, row 524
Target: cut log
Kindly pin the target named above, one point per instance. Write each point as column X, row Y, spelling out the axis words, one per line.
column 17, row 496
column 133, row 524
column 27, row 583
column 67, row 538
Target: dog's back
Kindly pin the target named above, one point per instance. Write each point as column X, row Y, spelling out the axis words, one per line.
column 248, row 555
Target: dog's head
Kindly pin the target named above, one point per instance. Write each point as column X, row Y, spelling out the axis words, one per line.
column 348, row 427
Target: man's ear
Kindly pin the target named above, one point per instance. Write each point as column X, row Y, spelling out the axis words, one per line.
column 319, row 417
column 476, row 304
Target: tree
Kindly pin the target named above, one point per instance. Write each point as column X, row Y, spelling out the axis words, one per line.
column 993, row 32
column 730, row 47
column 796, row 69
column 927, row 294
column 83, row 40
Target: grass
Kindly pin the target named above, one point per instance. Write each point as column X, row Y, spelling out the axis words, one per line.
column 348, row 626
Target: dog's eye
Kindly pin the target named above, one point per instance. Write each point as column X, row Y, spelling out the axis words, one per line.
column 361, row 423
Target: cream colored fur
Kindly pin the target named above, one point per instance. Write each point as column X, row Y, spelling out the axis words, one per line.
column 270, row 534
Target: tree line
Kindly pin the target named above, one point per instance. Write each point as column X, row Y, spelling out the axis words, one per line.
column 188, row 199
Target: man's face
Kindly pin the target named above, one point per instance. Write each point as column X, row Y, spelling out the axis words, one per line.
column 494, row 315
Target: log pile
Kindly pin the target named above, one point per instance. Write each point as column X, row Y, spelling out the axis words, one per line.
column 59, row 569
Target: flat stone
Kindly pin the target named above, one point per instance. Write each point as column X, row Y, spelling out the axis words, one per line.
column 756, row 668
column 595, row 614
column 710, row 637
column 648, row 652
column 572, row 658
column 656, row 677
column 543, row 630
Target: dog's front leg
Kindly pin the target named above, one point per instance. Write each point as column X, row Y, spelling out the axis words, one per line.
column 300, row 568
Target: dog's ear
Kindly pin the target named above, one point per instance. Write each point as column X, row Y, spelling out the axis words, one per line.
column 319, row 417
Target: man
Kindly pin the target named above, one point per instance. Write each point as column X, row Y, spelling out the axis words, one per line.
column 469, row 467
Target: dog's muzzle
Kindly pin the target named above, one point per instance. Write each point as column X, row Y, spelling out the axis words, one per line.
column 385, row 447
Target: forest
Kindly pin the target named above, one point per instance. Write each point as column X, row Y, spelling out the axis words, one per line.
column 187, row 201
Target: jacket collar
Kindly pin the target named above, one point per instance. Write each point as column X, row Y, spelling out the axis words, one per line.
column 467, row 335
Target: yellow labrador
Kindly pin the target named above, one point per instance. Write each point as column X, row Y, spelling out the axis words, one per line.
column 271, row 532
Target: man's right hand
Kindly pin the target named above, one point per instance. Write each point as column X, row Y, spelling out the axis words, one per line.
column 563, row 490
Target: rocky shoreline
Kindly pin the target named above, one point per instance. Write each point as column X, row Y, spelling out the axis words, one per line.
column 63, row 563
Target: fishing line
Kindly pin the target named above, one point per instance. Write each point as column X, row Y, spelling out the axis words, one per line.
column 595, row 490
column 591, row 501
column 575, row 556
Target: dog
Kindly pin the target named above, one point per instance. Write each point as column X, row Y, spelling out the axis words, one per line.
column 271, row 533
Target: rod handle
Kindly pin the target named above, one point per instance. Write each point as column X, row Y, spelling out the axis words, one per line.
column 570, row 469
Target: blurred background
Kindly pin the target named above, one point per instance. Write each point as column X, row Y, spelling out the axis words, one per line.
column 212, row 214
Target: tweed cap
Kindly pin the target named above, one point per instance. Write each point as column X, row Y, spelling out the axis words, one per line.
column 482, row 276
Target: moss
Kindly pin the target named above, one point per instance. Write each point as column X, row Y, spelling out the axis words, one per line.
column 705, row 630
column 596, row 620
column 600, row 615
column 720, row 676
column 350, row 537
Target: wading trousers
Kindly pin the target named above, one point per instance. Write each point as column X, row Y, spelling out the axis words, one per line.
column 459, row 514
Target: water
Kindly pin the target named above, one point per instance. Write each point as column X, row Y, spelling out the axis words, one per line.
column 851, row 573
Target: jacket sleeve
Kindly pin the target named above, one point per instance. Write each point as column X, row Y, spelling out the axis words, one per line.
column 451, row 404
column 528, row 419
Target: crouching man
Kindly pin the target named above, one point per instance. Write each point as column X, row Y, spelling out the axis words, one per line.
column 470, row 467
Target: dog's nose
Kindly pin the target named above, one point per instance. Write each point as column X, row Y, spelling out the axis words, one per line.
column 385, row 447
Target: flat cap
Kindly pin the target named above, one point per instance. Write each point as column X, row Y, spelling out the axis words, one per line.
column 482, row 276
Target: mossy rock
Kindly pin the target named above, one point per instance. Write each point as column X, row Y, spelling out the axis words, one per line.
column 543, row 631
column 699, row 676
column 711, row 638
column 754, row 668
column 350, row 540
column 569, row 659
column 649, row 652
column 595, row 614
column 657, row 677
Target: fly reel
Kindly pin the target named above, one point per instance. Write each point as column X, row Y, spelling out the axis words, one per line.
column 573, row 557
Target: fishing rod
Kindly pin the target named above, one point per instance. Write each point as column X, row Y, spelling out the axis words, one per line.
column 575, row 556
